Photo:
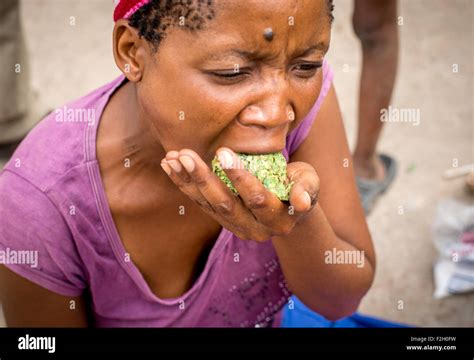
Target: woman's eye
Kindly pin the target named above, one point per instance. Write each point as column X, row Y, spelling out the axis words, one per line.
column 307, row 70
column 229, row 76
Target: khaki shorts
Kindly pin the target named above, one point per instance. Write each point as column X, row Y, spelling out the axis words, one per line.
column 18, row 112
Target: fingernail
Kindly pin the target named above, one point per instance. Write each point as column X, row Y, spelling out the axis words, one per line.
column 175, row 165
column 187, row 162
column 166, row 168
column 226, row 159
column 308, row 198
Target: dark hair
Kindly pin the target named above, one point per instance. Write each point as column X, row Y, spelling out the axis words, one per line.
column 153, row 19
column 330, row 6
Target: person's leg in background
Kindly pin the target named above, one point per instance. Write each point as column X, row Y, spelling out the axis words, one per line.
column 18, row 110
column 375, row 24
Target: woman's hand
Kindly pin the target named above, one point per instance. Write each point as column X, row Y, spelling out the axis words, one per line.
column 257, row 214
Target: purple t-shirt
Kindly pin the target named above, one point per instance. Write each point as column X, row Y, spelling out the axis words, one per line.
column 56, row 229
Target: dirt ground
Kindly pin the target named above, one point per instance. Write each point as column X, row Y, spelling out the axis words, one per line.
column 70, row 47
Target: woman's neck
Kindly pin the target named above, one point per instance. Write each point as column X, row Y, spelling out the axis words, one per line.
column 127, row 143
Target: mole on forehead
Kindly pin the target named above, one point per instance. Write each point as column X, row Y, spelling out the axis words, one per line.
column 268, row 34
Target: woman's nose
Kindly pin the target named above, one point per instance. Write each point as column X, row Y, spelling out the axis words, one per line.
column 269, row 115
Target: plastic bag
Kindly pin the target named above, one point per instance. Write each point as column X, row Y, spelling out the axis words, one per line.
column 453, row 235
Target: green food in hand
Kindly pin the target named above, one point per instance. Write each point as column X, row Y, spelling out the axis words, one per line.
column 270, row 169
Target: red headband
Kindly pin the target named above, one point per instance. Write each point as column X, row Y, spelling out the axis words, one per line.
column 126, row 8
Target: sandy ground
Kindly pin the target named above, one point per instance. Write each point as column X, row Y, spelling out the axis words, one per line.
column 70, row 47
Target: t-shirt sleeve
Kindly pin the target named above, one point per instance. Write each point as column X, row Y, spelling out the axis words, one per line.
column 35, row 241
column 296, row 137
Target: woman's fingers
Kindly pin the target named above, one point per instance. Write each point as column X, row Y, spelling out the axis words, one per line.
column 305, row 190
column 183, row 180
column 207, row 185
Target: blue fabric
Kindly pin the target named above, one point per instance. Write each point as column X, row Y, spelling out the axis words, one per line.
column 300, row 316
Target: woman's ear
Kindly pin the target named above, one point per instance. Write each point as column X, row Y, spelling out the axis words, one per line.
column 130, row 51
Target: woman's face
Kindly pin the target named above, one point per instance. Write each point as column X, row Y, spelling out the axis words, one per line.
column 226, row 85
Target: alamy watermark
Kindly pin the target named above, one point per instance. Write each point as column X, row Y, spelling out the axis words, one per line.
column 395, row 115
column 21, row 257
column 345, row 257
column 75, row 115
column 28, row 342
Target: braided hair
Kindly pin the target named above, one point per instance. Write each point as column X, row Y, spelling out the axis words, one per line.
column 153, row 19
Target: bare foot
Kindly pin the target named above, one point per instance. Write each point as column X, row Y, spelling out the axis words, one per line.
column 370, row 169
